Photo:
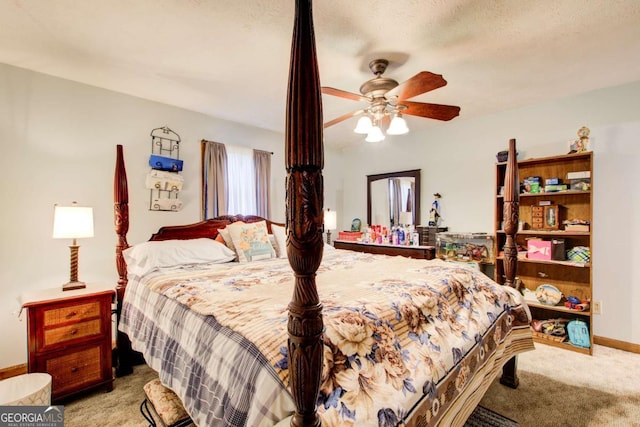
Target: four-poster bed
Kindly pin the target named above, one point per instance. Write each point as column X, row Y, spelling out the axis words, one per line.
column 192, row 327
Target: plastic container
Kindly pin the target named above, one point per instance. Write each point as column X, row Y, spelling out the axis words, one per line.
column 26, row 389
column 477, row 247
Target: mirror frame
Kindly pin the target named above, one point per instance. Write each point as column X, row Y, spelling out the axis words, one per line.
column 414, row 173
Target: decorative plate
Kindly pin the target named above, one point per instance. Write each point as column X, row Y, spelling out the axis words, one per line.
column 548, row 294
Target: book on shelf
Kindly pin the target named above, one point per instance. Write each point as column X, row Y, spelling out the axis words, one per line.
column 576, row 227
column 579, row 175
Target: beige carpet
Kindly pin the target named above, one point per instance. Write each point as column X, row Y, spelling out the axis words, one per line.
column 557, row 388
column 563, row 388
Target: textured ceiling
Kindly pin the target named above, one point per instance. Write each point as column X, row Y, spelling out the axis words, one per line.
column 230, row 59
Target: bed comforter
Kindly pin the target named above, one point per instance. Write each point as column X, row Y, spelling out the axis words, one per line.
column 407, row 342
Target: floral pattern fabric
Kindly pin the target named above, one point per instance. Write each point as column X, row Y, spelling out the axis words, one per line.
column 403, row 337
column 165, row 402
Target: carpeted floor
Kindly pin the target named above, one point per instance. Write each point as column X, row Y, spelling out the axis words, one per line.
column 557, row 388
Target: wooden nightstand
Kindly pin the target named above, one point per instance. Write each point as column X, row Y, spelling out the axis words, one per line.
column 70, row 338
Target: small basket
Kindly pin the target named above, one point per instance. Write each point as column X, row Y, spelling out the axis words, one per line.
column 548, row 337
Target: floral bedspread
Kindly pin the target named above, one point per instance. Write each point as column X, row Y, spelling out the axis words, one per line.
column 403, row 337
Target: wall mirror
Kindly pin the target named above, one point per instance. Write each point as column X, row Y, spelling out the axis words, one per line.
column 394, row 198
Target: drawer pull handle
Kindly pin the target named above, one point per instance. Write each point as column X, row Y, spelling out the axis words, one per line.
column 73, row 331
column 72, row 314
column 74, row 369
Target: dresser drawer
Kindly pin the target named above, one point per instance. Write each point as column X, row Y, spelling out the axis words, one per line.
column 63, row 334
column 75, row 370
column 56, row 316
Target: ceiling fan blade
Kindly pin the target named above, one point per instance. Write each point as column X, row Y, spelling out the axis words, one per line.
column 342, row 118
column 421, row 83
column 343, row 94
column 431, row 111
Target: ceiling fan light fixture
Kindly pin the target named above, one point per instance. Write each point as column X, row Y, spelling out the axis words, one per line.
column 375, row 135
column 398, row 125
column 364, row 125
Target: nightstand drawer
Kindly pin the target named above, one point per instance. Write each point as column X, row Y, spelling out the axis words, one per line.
column 70, row 338
column 73, row 371
column 56, row 336
column 78, row 312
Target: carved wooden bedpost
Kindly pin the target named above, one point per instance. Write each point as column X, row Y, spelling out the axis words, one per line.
column 121, row 217
column 121, row 222
column 510, row 216
column 304, row 217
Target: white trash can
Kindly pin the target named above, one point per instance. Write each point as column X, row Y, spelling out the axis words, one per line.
column 26, row 389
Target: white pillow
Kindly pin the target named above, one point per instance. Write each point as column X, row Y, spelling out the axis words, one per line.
column 147, row 256
column 251, row 241
column 281, row 240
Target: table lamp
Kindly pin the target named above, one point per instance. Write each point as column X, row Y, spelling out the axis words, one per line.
column 330, row 223
column 73, row 222
column 406, row 218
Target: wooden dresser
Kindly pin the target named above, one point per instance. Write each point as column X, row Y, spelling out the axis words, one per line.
column 419, row 252
column 69, row 337
column 428, row 233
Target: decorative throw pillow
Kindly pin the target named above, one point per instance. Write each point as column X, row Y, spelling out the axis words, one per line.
column 272, row 240
column 220, row 239
column 224, row 232
column 251, row 241
column 281, row 240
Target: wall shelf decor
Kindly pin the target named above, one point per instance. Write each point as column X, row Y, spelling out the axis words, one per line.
column 164, row 180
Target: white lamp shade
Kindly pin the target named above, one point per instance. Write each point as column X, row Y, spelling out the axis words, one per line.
column 406, row 218
column 363, row 126
column 375, row 135
column 398, row 126
column 72, row 222
column 330, row 220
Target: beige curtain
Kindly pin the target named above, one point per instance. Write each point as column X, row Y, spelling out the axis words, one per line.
column 215, row 193
column 262, row 162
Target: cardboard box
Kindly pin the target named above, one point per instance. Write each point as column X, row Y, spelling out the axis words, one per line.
column 576, row 227
column 546, row 250
column 555, row 187
column 539, row 249
column 532, row 184
column 552, row 181
column 579, row 175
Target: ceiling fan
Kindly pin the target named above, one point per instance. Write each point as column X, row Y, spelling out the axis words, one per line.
column 388, row 99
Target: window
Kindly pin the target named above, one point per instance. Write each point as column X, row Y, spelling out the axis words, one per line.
column 241, row 181
column 235, row 180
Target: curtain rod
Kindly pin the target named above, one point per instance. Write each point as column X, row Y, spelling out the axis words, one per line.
column 223, row 143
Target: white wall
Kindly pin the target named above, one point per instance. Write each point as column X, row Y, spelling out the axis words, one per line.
column 58, row 145
column 457, row 160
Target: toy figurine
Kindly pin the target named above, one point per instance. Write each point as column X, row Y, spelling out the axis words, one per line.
column 434, row 213
column 582, row 143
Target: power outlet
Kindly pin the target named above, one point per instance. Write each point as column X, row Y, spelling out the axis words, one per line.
column 597, row 307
